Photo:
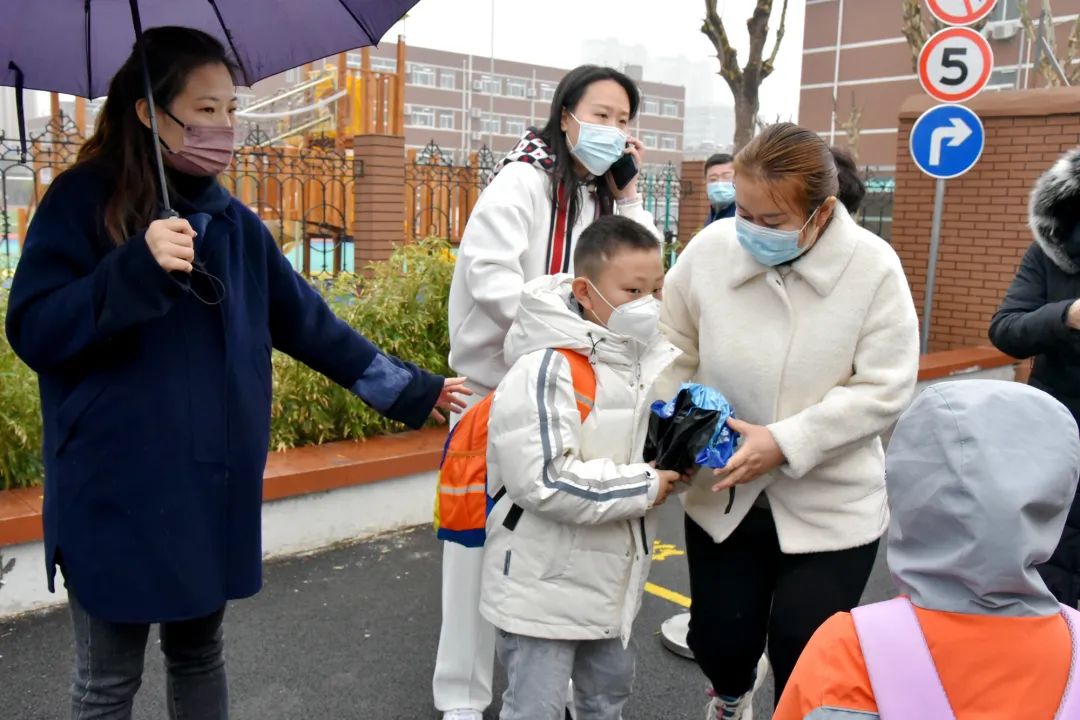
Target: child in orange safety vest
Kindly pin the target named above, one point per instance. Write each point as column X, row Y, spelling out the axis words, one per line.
column 980, row 476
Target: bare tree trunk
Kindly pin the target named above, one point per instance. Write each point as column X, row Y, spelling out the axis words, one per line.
column 745, row 121
column 745, row 82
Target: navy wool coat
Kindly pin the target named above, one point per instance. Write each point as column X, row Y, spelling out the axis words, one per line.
column 156, row 405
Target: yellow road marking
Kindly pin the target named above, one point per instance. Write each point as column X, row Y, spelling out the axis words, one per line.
column 669, row 595
column 662, row 551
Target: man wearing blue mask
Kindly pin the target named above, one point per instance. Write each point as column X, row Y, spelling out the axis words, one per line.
column 720, row 186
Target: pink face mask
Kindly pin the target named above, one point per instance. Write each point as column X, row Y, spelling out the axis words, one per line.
column 206, row 150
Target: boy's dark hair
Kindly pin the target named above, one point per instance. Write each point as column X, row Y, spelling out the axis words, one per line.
column 606, row 237
column 718, row 159
column 852, row 189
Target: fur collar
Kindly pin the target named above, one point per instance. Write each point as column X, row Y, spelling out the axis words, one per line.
column 1054, row 212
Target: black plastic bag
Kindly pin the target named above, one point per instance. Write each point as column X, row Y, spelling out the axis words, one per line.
column 691, row 431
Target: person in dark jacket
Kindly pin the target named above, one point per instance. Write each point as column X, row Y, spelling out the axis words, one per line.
column 1040, row 318
column 720, row 187
column 152, row 341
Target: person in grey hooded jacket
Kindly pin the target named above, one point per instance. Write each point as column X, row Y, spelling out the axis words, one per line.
column 981, row 474
column 1040, row 318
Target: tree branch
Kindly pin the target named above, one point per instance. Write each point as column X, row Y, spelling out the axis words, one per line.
column 769, row 65
column 713, row 28
column 1028, row 23
column 758, row 28
column 914, row 30
column 1072, row 69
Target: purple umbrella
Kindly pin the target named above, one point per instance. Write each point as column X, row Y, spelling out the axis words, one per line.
column 87, row 42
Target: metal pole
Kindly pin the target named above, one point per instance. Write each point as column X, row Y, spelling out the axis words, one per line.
column 148, row 87
column 931, row 268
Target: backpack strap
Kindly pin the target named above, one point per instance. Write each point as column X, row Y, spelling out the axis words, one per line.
column 1070, row 703
column 584, row 379
column 902, row 674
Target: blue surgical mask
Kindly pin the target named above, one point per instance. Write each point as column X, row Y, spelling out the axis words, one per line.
column 598, row 146
column 721, row 193
column 768, row 246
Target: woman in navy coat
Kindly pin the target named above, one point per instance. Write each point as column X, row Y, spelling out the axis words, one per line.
column 152, row 342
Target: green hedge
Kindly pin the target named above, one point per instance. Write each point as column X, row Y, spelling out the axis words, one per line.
column 401, row 307
column 20, row 413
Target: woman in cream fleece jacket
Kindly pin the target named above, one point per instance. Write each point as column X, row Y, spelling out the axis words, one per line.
column 804, row 320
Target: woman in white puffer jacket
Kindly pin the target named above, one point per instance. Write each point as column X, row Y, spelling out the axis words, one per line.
column 551, row 187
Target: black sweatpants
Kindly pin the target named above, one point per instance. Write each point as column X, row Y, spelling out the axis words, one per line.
column 745, row 592
column 1061, row 573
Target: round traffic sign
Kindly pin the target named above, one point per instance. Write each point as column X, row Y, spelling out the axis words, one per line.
column 946, row 141
column 960, row 12
column 955, row 64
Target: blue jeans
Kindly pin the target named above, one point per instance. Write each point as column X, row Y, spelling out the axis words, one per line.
column 109, row 666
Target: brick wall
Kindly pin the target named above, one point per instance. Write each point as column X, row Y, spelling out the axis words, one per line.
column 984, row 229
column 380, row 209
column 693, row 202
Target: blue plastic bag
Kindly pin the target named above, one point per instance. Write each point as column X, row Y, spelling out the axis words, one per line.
column 691, row 430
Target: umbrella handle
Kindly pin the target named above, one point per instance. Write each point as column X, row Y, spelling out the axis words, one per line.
column 148, row 87
column 19, row 111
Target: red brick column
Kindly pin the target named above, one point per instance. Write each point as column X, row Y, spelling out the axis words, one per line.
column 693, row 202
column 380, row 197
column 984, row 230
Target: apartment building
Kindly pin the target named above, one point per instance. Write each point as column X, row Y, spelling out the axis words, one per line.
column 856, row 57
column 465, row 102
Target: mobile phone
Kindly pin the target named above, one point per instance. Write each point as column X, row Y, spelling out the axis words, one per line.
column 623, row 171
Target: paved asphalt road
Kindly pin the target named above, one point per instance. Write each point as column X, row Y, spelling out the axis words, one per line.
column 350, row 633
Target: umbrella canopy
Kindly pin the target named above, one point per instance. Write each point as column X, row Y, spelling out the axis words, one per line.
column 87, row 42
column 75, row 47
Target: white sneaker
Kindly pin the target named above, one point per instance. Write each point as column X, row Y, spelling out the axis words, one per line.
column 721, row 707
column 463, row 715
column 762, row 671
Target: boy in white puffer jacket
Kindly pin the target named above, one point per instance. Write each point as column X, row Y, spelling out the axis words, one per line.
column 568, row 541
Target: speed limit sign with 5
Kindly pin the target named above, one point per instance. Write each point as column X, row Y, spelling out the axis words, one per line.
column 955, row 64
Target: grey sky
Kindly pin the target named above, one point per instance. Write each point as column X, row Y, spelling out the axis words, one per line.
column 565, row 33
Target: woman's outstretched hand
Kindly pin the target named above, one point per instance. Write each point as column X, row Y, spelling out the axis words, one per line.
column 451, row 399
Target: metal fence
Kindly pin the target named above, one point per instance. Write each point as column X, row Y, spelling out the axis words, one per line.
column 305, row 196
column 23, row 181
column 439, row 194
column 875, row 214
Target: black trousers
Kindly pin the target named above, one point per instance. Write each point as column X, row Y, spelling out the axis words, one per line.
column 747, row 592
column 1062, row 572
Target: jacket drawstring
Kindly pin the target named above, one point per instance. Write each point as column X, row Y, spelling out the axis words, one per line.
column 595, row 343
